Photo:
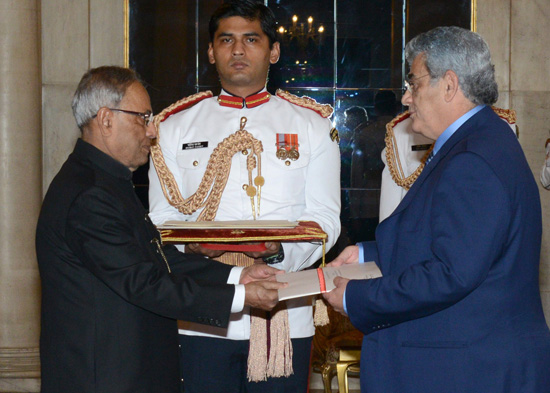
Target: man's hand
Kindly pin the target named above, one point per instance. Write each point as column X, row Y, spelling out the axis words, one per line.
column 262, row 294
column 196, row 248
column 349, row 255
column 258, row 272
column 272, row 248
column 336, row 296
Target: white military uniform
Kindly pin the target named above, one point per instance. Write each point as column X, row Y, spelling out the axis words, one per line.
column 545, row 170
column 410, row 158
column 305, row 189
column 410, row 147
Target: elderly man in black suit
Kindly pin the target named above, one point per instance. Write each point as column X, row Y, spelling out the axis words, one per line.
column 111, row 291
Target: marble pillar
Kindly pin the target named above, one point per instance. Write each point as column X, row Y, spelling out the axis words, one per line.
column 20, row 188
column 518, row 33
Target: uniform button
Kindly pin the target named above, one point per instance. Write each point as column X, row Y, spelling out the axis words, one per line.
column 195, row 163
column 245, row 152
column 287, row 163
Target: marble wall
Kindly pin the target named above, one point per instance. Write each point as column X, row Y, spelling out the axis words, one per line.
column 47, row 46
column 76, row 35
column 20, row 191
column 518, row 34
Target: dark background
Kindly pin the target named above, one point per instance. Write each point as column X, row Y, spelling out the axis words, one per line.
column 359, row 53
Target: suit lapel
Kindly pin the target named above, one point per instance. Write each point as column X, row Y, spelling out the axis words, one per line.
column 466, row 129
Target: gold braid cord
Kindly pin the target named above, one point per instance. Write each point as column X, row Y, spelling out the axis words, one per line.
column 393, row 159
column 392, row 154
column 208, row 195
column 166, row 178
column 215, row 177
column 324, row 110
column 506, row 114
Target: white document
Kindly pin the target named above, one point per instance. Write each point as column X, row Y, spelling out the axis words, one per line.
column 308, row 282
column 246, row 224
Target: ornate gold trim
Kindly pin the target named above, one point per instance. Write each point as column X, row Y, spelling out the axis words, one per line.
column 264, row 98
column 394, row 161
column 179, row 106
column 126, row 33
column 166, row 178
column 167, row 238
column 324, row 110
column 392, row 153
column 473, row 16
column 215, row 177
column 506, row 114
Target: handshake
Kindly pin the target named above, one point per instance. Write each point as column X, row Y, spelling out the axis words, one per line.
column 261, row 287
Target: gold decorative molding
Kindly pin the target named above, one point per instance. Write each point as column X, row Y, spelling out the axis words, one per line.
column 126, row 33
column 19, row 363
column 473, row 17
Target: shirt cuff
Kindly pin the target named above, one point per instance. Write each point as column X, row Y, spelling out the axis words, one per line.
column 238, row 298
column 361, row 255
column 344, row 301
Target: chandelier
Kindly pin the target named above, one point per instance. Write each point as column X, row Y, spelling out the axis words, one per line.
column 300, row 33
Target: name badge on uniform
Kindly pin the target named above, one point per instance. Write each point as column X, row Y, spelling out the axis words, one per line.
column 420, row 147
column 287, row 147
column 194, row 145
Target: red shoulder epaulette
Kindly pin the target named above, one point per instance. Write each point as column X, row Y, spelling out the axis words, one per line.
column 509, row 115
column 398, row 119
column 324, row 110
column 182, row 104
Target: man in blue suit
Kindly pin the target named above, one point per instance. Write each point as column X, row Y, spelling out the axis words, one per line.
column 458, row 307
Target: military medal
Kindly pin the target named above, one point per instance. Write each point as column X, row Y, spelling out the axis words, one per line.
column 293, row 153
column 281, row 147
column 287, row 147
column 281, row 153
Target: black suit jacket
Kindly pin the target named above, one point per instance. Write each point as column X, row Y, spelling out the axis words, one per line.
column 109, row 303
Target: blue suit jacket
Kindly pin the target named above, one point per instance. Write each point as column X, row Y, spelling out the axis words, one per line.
column 458, row 308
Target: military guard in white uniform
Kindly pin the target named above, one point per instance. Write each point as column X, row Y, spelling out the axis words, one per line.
column 283, row 160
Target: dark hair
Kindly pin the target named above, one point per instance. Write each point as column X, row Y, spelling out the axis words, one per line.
column 385, row 103
column 358, row 113
column 247, row 9
column 101, row 87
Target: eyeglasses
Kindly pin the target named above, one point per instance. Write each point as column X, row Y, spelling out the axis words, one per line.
column 410, row 84
column 147, row 116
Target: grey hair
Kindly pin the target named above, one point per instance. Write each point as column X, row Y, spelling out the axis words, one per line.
column 101, row 87
column 462, row 51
